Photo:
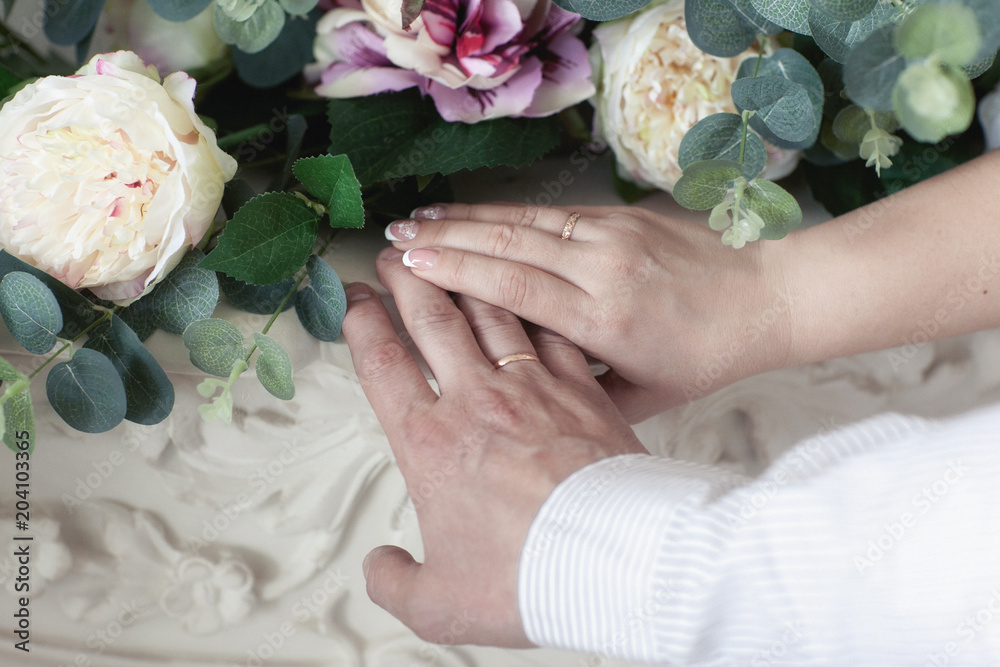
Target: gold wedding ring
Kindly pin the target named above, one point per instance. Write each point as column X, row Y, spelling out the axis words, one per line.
column 520, row 356
column 568, row 227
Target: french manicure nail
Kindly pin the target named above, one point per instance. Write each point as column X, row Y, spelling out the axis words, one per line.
column 420, row 258
column 357, row 292
column 433, row 212
column 402, row 230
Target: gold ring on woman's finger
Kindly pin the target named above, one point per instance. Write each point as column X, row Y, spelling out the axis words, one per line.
column 568, row 227
column 519, row 356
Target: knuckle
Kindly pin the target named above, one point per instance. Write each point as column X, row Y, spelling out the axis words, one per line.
column 513, row 287
column 528, row 215
column 501, row 240
column 489, row 319
column 434, row 316
column 380, row 359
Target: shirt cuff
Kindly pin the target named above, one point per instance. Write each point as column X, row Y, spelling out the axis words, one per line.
column 588, row 573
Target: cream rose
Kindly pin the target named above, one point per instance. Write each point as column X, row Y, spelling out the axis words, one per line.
column 107, row 177
column 654, row 85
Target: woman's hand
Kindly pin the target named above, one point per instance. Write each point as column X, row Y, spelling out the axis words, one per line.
column 480, row 459
column 673, row 312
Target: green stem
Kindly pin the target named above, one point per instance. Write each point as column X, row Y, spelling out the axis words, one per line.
column 108, row 313
column 746, row 116
column 240, row 136
column 291, row 292
column 760, row 56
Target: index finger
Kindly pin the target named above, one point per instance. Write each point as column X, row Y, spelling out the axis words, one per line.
column 388, row 373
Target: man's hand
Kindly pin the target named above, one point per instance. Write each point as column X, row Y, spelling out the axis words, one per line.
column 493, row 446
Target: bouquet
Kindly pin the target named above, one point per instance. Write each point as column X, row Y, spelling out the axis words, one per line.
column 212, row 150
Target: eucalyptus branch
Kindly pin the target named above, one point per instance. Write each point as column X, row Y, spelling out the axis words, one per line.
column 107, row 315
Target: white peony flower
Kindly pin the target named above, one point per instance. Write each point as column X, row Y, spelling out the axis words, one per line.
column 654, row 85
column 107, row 177
column 167, row 45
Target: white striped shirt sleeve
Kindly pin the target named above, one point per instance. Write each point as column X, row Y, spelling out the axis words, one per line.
column 878, row 544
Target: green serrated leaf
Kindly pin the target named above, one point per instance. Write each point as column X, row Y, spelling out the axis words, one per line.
column 789, row 14
column 257, row 32
column 776, row 207
column 330, row 178
column 30, row 311
column 322, row 304
column 718, row 137
column 215, row 346
column 933, row 101
column 704, row 184
column 600, row 10
column 70, row 21
column 178, row 10
column 283, row 58
column 845, row 10
column 838, row 38
column 257, row 299
column 781, row 106
column 395, row 135
column 267, row 241
column 188, row 294
column 274, row 367
column 872, row 69
column 87, row 392
column 948, row 32
column 717, row 28
column 149, row 395
column 19, row 422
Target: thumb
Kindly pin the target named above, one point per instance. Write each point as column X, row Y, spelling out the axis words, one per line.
column 390, row 576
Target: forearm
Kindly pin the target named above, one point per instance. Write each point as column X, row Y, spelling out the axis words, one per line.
column 920, row 265
column 871, row 545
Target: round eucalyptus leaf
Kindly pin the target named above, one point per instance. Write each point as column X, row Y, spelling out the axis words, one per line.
column 255, row 33
column 972, row 70
column 717, row 28
column 775, row 206
column 845, row 10
column 705, row 183
column 789, row 14
column 838, row 38
column 274, row 367
column 793, row 66
column 30, row 311
column 719, row 137
column 321, row 304
column 87, row 392
column 949, row 33
column 781, row 105
column 933, row 101
column 214, row 345
column 872, row 69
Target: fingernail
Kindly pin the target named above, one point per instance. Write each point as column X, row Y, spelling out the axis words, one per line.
column 420, row 258
column 357, row 292
column 433, row 212
column 402, row 230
